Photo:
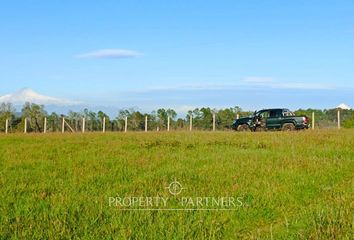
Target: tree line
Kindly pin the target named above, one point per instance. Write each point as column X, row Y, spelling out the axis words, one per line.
column 328, row 117
column 157, row 120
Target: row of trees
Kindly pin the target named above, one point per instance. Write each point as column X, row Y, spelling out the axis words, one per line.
column 157, row 120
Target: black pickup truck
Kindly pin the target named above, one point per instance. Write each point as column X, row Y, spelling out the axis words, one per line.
column 271, row 119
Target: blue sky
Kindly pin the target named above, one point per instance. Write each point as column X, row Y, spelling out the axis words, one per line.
column 181, row 54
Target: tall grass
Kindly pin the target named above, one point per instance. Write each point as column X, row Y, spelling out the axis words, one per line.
column 296, row 185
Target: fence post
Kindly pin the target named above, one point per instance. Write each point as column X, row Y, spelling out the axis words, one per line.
column 62, row 125
column 45, row 125
column 190, row 122
column 338, row 118
column 83, row 125
column 25, row 128
column 104, row 124
column 313, row 121
column 126, row 124
column 237, row 116
column 6, row 125
column 213, row 121
column 146, row 123
column 168, row 123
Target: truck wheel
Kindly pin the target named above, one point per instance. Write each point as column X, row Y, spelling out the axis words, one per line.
column 243, row 128
column 288, row 127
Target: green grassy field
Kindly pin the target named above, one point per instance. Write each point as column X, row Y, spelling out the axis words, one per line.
column 296, row 185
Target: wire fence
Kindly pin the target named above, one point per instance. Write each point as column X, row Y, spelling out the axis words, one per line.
column 144, row 124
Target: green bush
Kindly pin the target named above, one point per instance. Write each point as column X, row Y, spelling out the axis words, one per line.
column 349, row 123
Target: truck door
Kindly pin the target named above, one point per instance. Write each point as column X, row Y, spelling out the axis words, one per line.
column 262, row 119
column 274, row 119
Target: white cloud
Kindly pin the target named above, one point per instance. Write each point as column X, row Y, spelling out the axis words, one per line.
column 299, row 85
column 110, row 54
column 258, row 79
column 248, row 82
column 28, row 95
column 271, row 83
column 185, row 87
column 192, row 87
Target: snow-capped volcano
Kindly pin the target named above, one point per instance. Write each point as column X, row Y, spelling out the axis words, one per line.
column 28, row 95
column 343, row 106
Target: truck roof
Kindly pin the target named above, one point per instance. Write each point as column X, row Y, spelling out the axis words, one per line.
column 265, row 109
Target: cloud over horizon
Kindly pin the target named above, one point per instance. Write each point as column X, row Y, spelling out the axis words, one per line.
column 110, row 54
column 247, row 82
column 269, row 82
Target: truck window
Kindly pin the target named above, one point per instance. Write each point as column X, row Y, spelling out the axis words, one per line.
column 264, row 114
column 275, row 113
column 287, row 113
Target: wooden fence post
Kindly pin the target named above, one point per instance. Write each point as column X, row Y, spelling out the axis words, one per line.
column 76, row 124
column 25, row 127
column 190, row 122
column 6, row 126
column 126, row 124
column 168, row 123
column 45, row 125
column 104, row 124
column 338, row 118
column 146, row 123
column 213, row 121
column 62, row 125
column 313, row 121
column 83, row 125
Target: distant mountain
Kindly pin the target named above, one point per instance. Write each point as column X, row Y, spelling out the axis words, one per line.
column 52, row 104
column 343, row 106
column 28, row 95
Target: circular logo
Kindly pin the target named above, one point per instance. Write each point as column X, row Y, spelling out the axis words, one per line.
column 175, row 188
